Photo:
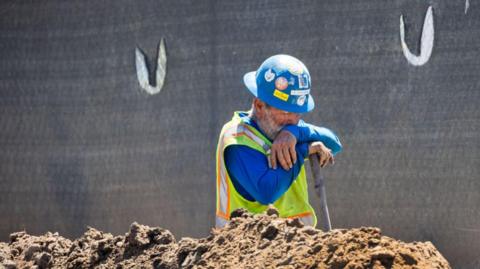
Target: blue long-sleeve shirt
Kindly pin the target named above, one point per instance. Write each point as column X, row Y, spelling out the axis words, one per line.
column 249, row 171
column 305, row 132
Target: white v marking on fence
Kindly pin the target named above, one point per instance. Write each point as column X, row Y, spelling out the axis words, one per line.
column 142, row 69
column 426, row 41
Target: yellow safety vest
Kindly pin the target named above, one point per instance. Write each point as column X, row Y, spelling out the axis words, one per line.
column 292, row 204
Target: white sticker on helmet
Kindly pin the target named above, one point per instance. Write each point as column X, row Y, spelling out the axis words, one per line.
column 302, row 81
column 301, row 100
column 291, row 81
column 299, row 92
column 269, row 75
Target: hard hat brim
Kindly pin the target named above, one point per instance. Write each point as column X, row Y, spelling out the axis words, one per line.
column 250, row 81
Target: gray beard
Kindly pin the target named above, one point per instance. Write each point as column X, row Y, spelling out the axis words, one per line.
column 269, row 128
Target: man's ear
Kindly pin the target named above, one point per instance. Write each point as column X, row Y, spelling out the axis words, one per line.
column 259, row 105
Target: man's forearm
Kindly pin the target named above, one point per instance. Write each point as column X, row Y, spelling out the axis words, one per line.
column 305, row 132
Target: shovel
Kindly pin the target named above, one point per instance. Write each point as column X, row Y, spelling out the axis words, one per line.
column 320, row 190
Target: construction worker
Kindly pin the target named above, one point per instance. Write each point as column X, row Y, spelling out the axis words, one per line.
column 260, row 153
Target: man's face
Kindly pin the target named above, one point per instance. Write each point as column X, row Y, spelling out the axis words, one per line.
column 272, row 120
column 281, row 117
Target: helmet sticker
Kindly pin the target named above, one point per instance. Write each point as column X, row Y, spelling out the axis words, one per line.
column 303, row 81
column 291, row 81
column 299, row 92
column 281, row 83
column 269, row 75
column 301, row 100
column 280, row 95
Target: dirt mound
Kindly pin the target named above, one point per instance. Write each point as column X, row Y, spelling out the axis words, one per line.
column 260, row 241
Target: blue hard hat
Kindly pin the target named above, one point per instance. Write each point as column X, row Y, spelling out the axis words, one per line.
column 283, row 82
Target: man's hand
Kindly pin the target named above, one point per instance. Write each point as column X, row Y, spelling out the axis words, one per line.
column 324, row 154
column 283, row 150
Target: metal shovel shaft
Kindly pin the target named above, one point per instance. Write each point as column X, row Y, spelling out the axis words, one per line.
column 320, row 190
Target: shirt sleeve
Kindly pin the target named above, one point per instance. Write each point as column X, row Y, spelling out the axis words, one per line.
column 254, row 180
column 306, row 133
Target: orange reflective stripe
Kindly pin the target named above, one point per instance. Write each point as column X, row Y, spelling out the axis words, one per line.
column 228, row 197
column 248, row 131
column 222, row 185
column 243, row 134
column 223, row 216
column 218, row 183
column 301, row 215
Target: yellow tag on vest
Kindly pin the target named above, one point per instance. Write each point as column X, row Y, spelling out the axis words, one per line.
column 280, row 95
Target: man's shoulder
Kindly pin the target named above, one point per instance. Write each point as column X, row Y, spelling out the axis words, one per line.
column 240, row 119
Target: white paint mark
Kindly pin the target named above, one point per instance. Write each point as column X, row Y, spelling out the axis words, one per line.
column 467, row 5
column 426, row 41
column 161, row 64
column 142, row 70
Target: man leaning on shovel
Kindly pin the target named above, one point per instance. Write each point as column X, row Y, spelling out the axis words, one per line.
column 261, row 152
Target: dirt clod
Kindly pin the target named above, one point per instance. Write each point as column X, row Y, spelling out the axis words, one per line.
column 248, row 241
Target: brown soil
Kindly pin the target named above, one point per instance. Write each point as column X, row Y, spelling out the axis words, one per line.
column 260, row 241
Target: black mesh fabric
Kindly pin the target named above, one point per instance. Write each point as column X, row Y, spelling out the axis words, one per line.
column 82, row 143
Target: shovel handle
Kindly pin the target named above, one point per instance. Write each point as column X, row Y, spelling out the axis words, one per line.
column 320, row 190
